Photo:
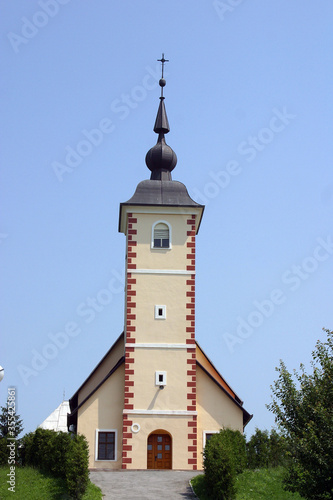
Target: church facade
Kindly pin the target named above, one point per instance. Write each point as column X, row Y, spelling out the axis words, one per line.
column 155, row 397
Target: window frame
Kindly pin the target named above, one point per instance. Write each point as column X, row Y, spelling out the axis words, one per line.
column 157, row 376
column 204, row 434
column 97, row 443
column 156, row 312
column 152, row 235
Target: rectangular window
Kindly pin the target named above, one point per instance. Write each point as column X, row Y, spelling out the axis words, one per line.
column 161, row 235
column 160, row 312
column 207, row 436
column 160, row 378
column 106, row 444
column 161, row 242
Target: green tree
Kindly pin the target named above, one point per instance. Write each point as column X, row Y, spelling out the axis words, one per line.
column 258, row 449
column 277, row 449
column 303, row 408
column 10, row 427
column 265, row 449
column 8, row 419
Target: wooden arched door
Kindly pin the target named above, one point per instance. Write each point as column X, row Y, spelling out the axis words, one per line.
column 159, row 450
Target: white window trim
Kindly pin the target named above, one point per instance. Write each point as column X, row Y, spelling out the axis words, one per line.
column 156, row 310
column 204, row 433
column 152, row 235
column 157, row 375
column 115, row 445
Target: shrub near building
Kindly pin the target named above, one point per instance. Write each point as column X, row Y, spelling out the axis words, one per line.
column 60, row 454
column 224, row 458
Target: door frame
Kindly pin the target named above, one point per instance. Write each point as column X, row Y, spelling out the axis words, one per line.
column 161, row 432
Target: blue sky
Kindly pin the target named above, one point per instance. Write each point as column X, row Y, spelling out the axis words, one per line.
column 249, row 101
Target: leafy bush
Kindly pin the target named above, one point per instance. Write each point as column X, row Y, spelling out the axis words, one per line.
column 61, row 455
column 77, row 475
column 61, row 443
column 7, row 455
column 224, row 458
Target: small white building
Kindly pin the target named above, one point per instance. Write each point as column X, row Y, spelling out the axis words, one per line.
column 57, row 421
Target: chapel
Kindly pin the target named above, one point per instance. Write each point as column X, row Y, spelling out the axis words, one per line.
column 155, row 398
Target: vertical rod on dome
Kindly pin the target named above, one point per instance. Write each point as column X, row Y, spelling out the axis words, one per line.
column 162, row 81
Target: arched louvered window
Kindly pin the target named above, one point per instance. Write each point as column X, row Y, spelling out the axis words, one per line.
column 161, row 235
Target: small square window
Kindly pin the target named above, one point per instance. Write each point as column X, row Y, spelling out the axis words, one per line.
column 160, row 312
column 160, row 378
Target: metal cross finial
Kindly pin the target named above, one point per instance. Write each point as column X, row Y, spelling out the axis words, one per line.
column 163, row 61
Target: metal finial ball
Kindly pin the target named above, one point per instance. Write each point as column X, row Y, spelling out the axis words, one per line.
column 162, row 82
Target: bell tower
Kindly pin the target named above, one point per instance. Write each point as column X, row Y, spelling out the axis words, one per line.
column 160, row 223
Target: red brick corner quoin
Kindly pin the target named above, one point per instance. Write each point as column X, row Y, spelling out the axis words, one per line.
column 191, row 350
column 129, row 339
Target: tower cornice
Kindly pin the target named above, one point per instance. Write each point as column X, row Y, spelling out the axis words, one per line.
column 158, row 209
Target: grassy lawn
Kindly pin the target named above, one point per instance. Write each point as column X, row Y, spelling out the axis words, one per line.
column 262, row 484
column 33, row 485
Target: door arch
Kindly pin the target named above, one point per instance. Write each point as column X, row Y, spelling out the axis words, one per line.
column 159, row 450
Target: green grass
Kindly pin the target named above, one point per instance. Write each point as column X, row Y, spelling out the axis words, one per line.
column 260, row 484
column 33, row 485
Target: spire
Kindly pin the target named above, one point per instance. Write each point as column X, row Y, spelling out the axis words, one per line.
column 161, row 159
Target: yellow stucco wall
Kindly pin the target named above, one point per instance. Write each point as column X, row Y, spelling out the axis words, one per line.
column 103, row 410
column 175, row 425
column 168, row 290
column 215, row 410
column 147, row 395
column 150, row 258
